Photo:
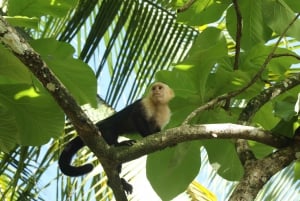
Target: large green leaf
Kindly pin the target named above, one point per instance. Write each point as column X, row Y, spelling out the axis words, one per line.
column 21, row 21
column 73, row 73
column 285, row 108
column 31, row 118
column 209, row 47
column 37, row 8
column 260, row 150
column 264, row 117
column 8, row 129
column 11, row 69
column 278, row 15
column 223, row 158
column 172, row 170
column 295, row 5
column 203, row 12
column 254, row 30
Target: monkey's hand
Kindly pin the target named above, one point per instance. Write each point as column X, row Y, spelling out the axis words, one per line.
column 126, row 143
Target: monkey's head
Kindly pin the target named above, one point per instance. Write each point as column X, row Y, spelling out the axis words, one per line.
column 161, row 93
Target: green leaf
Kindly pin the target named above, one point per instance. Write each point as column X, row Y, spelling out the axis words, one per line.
column 278, row 15
column 38, row 8
column 254, row 30
column 285, row 128
column 33, row 118
column 279, row 66
column 297, row 170
column 295, row 5
column 203, row 12
column 172, row 170
column 73, row 73
column 209, row 47
column 284, row 109
column 260, row 150
column 223, row 158
column 8, row 129
column 20, row 21
column 11, row 68
column 265, row 118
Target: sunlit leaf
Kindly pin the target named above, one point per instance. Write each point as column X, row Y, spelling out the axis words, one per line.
column 171, row 171
column 74, row 74
column 33, row 118
column 223, row 158
column 37, row 8
column 278, row 16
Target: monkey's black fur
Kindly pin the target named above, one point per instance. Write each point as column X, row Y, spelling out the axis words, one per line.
column 146, row 116
column 132, row 119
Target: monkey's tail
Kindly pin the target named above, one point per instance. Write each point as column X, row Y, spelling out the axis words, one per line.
column 66, row 157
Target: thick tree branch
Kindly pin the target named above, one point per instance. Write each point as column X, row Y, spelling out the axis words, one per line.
column 185, row 133
column 266, row 95
column 83, row 125
column 259, row 167
column 244, row 191
column 258, row 172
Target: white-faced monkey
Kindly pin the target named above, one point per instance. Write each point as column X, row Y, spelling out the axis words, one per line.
column 145, row 116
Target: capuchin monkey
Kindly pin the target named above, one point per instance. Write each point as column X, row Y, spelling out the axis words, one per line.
column 145, row 116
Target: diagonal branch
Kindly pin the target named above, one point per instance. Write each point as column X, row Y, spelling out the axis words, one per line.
column 257, row 173
column 83, row 125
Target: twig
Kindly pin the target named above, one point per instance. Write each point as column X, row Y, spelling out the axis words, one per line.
column 270, row 56
column 238, row 34
column 206, row 106
column 258, row 101
column 186, row 6
column 286, row 55
column 223, row 97
column 252, row 166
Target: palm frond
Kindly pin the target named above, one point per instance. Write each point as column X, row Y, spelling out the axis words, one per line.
column 126, row 42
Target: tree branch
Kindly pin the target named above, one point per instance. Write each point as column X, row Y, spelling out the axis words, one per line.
column 266, row 95
column 245, row 191
column 261, row 167
column 185, row 133
column 257, row 173
column 286, row 55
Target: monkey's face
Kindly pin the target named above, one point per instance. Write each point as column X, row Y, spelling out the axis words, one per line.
column 161, row 93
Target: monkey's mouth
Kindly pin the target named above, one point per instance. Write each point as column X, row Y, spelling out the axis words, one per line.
column 158, row 96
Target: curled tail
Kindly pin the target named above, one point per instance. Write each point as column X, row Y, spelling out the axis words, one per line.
column 66, row 157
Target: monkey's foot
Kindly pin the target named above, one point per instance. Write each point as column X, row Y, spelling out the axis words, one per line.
column 126, row 186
